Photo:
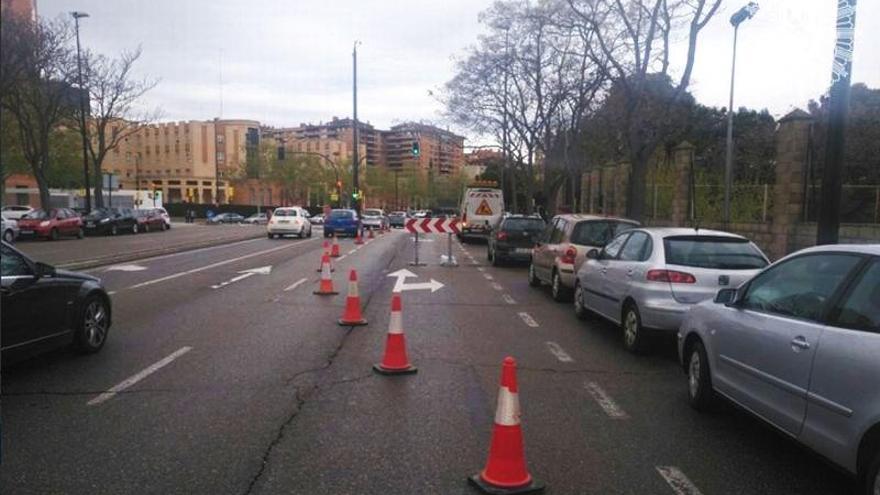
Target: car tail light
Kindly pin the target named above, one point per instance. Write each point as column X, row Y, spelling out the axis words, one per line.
column 569, row 255
column 671, row 276
column 464, row 219
column 501, row 236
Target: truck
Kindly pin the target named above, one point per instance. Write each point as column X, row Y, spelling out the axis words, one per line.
column 482, row 207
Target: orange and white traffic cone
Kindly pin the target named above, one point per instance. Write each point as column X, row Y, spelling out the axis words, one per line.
column 505, row 471
column 325, row 288
column 357, row 238
column 371, row 235
column 334, row 251
column 395, row 361
column 326, row 252
column 352, row 314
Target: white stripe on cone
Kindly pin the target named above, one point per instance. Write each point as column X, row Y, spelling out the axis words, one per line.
column 352, row 289
column 325, row 271
column 507, row 412
column 395, row 324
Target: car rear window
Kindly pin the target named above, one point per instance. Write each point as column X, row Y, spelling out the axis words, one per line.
column 726, row 253
column 285, row 213
column 597, row 232
column 372, row 213
column 341, row 214
column 523, row 224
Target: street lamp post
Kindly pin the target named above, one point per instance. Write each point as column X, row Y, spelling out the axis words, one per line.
column 355, row 160
column 736, row 19
column 82, row 111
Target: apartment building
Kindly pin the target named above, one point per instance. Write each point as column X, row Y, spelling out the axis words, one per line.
column 188, row 161
column 440, row 151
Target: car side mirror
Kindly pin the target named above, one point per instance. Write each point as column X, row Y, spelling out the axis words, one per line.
column 726, row 297
column 43, row 270
column 593, row 254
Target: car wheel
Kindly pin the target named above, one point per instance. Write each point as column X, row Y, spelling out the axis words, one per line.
column 489, row 254
column 8, row 236
column 94, row 325
column 580, row 310
column 135, row 229
column 113, row 230
column 270, row 236
column 53, row 235
column 872, row 475
column 700, row 393
column 80, row 233
column 165, row 226
column 534, row 281
column 557, row 290
column 634, row 338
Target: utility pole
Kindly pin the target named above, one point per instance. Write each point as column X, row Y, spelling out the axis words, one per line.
column 828, row 223
column 137, row 179
column 355, row 151
column 82, row 112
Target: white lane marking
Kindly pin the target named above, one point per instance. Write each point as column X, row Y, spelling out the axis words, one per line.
column 605, row 402
column 508, row 299
column 676, row 479
column 125, row 268
column 215, row 265
column 353, row 251
column 497, row 286
column 488, row 277
column 341, row 258
column 559, row 352
column 474, row 262
column 527, row 318
column 295, row 284
column 480, row 269
column 128, row 382
column 181, row 253
column 111, row 293
column 263, row 270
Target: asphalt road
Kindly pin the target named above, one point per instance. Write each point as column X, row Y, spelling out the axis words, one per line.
column 254, row 388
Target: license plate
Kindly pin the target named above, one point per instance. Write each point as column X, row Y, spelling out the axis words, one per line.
column 26, row 232
column 90, row 224
column 523, row 251
column 283, row 221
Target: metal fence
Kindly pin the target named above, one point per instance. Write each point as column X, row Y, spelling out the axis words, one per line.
column 858, row 204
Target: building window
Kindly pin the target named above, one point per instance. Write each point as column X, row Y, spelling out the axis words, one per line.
column 220, row 139
column 221, row 156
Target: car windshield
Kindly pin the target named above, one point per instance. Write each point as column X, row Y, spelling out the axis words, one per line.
column 597, row 232
column 36, row 215
column 728, row 253
column 339, row 214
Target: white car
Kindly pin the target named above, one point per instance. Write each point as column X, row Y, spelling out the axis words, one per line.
column 373, row 218
column 15, row 212
column 317, row 220
column 9, row 229
column 291, row 220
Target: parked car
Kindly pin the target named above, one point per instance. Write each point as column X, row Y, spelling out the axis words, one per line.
column 647, row 279
column 52, row 225
column 15, row 212
column 397, row 219
column 9, row 229
column 44, row 308
column 561, row 250
column 110, row 221
column 798, row 346
column 162, row 212
column 374, row 218
column 225, row 218
column 289, row 221
column 149, row 219
column 257, row 219
column 514, row 238
column 341, row 222
column 317, row 219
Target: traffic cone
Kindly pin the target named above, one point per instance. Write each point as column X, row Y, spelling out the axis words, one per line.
column 352, row 314
column 505, row 471
column 334, row 251
column 371, row 235
column 357, row 238
column 326, row 252
column 325, row 288
column 395, row 361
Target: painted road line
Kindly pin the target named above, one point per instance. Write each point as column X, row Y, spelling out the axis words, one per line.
column 215, row 265
column 488, row 277
column 508, row 299
column 111, row 293
column 341, row 258
column 559, row 352
column 605, row 402
column 497, row 286
column 480, row 269
column 676, row 479
column 527, row 318
column 353, row 251
column 128, row 382
column 181, row 253
column 295, row 285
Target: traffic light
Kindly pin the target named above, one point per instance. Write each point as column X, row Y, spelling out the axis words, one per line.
column 415, row 148
column 355, row 195
column 339, row 185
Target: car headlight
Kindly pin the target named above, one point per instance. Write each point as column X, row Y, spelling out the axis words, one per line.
column 44, row 223
column 104, row 220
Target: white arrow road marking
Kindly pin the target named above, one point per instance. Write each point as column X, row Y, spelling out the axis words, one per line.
column 263, row 270
column 401, row 284
column 605, row 402
column 125, row 268
column 128, row 382
column 676, row 479
column 508, row 299
column 559, row 352
column 527, row 318
column 295, row 285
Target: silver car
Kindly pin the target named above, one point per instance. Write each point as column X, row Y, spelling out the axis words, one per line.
column 9, row 229
column 648, row 278
column 799, row 346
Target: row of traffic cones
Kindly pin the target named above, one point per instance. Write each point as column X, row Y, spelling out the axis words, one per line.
column 505, row 471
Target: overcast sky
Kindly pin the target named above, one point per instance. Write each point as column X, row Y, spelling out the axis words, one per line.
column 289, row 61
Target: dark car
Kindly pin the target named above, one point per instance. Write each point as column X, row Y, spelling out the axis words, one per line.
column 514, row 238
column 225, row 218
column 341, row 222
column 397, row 219
column 110, row 221
column 51, row 225
column 43, row 308
column 150, row 219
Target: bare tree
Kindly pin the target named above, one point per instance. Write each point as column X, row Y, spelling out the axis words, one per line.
column 114, row 93
column 37, row 90
column 632, row 45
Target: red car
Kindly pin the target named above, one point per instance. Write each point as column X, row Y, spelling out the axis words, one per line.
column 150, row 219
column 52, row 225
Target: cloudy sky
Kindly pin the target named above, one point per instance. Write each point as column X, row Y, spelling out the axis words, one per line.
column 289, row 61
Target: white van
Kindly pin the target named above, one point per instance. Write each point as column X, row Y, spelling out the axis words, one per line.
column 481, row 210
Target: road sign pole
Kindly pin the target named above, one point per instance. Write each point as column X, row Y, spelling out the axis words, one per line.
column 415, row 262
column 450, row 260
